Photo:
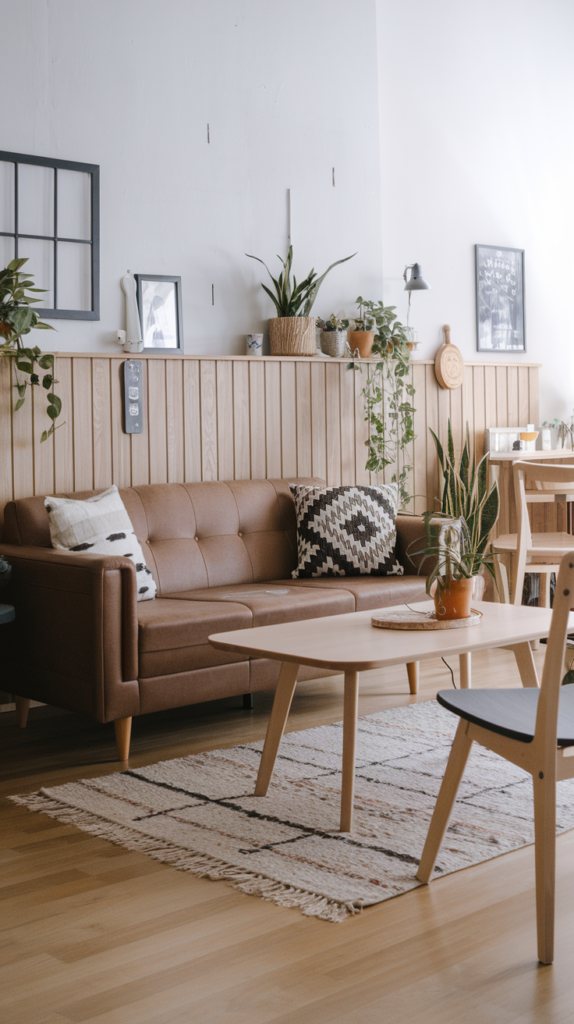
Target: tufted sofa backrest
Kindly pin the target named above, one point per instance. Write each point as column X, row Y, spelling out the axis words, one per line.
column 193, row 535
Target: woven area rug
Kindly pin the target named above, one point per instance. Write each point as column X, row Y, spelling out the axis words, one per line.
column 199, row 814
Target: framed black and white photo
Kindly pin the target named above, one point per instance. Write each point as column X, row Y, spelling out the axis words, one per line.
column 159, row 304
column 500, row 299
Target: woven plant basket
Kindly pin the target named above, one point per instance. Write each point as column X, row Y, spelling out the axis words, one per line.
column 292, row 335
column 333, row 343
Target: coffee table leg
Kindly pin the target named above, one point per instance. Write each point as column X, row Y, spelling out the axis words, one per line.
column 275, row 729
column 465, row 673
column 350, row 713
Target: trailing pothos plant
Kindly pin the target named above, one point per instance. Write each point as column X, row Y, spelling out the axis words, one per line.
column 387, row 394
column 17, row 319
column 292, row 299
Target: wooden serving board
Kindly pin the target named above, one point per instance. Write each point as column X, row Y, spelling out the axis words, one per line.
column 449, row 364
column 407, row 619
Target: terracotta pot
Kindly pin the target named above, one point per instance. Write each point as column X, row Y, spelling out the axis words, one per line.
column 292, row 336
column 363, row 340
column 454, row 602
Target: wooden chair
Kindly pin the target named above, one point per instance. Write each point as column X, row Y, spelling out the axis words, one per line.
column 534, row 552
column 535, row 730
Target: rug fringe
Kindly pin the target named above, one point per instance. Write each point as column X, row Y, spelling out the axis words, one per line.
column 203, row 865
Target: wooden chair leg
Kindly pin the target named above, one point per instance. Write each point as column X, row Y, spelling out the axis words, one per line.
column 445, row 800
column 413, row 674
column 22, row 709
column 545, row 855
column 501, row 575
column 525, row 662
column 350, row 715
column 279, row 714
column 123, row 727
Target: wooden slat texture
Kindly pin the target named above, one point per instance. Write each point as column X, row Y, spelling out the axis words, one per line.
column 288, row 420
column 174, row 410
column 82, row 425
column 273, row 418
column 333, row 417
column 43, row 450
column 158, row 422
column 303, row 386
column 102, row 416
column 224, row 374
column 257, row 419
column 235, row 417
column 318, row 421
column 192, row 420
column 208, row 389
column 64, row 435
column 242, row 455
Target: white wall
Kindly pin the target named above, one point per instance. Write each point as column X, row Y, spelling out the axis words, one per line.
column 132, row 84
column 477, row 146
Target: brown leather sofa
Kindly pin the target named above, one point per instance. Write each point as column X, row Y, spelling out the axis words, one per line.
column 222, row 556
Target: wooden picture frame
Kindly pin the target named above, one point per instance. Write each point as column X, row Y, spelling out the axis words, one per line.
column 500, row 321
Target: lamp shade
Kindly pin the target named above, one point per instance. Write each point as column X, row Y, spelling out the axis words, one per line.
column 416, row 281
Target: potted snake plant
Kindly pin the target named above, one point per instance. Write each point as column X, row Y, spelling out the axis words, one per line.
column 457, row 535
column 292, row 331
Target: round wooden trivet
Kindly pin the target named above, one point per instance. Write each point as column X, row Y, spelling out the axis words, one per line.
column 407, row 619
column 449, row 364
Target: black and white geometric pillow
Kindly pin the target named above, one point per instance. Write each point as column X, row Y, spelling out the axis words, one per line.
column 346, row 531
column 100, row 526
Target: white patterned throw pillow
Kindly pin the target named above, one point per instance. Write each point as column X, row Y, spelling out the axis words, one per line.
column 100, row 526
column 346, row 531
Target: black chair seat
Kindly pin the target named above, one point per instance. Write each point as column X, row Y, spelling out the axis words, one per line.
column 510, row 712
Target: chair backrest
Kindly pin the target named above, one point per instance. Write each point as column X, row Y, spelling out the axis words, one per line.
column 536, row 482
column 547, row 714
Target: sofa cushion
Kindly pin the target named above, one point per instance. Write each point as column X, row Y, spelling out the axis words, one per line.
column 270, row 604
column 173, row 634
column 369, row 591
column 99, row 525
column 346, row 531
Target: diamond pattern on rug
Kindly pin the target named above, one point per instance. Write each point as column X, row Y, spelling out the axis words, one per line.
column 199, row 814
column 346, row 531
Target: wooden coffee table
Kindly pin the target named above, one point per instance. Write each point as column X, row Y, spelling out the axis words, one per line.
column 350, row 644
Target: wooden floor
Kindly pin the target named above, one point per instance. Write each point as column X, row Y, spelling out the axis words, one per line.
column 93, row 933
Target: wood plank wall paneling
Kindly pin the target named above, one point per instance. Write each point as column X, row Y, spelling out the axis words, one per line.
column 233, row 417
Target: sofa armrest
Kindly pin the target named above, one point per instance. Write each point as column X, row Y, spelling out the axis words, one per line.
column 74, row 640
column 411, row 537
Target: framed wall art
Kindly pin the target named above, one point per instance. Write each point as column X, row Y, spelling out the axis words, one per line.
column 500, row 299
column 159, row 304
column 50, row 215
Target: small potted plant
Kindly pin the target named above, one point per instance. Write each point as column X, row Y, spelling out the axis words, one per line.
column 334, row 334
column 292, row 331
column 457, row 562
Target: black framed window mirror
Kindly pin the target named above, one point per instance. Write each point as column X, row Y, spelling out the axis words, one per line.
column 50, row 213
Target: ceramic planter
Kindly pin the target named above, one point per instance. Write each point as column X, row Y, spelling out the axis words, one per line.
column 333, row 343
column 454, row 601
column 363, row 340
column 292, row 335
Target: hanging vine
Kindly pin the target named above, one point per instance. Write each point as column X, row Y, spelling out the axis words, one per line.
column 387, row 393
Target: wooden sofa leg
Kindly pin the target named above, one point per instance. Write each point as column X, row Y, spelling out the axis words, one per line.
column 22, row 709
column 413, row 674
column 123, row 727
